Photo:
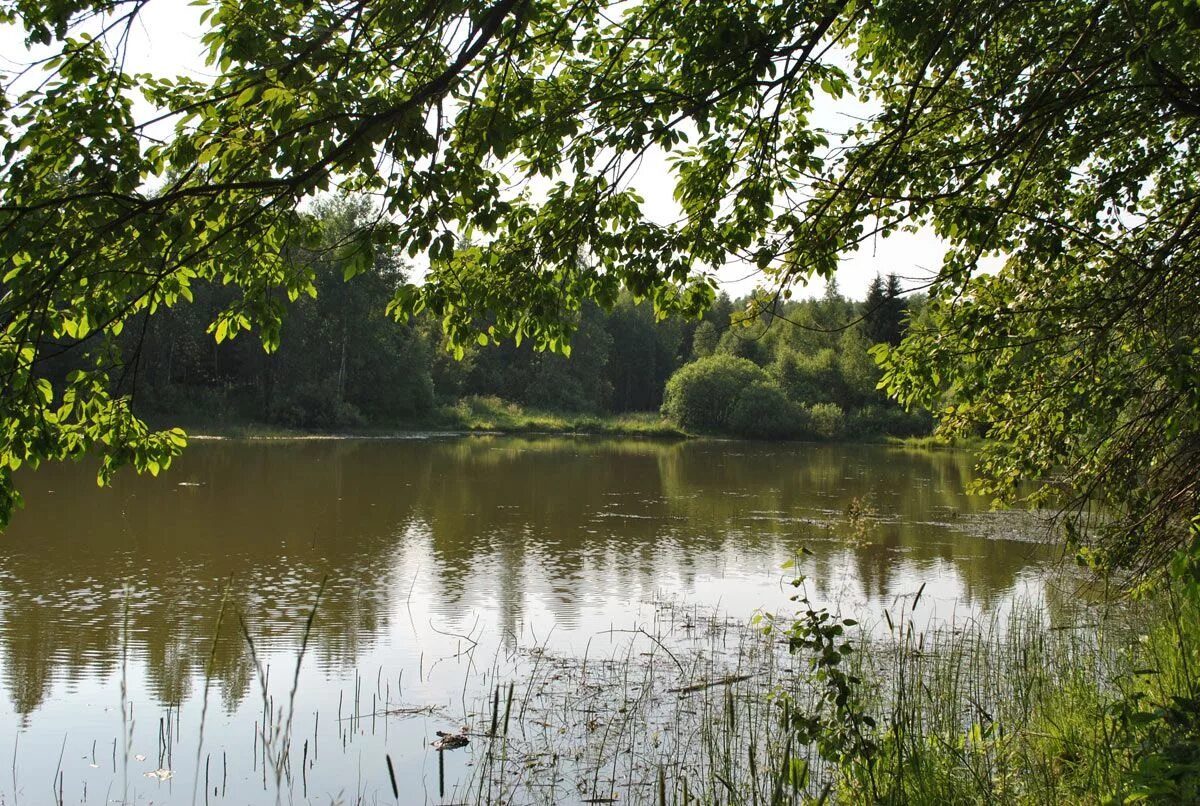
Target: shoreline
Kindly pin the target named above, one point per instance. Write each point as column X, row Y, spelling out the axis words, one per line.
column 494, row 416
column 488, row 416
column 417, row 433
column 250, row 432
column 667, row 433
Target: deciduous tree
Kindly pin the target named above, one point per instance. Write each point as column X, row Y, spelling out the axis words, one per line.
column 1057, row 140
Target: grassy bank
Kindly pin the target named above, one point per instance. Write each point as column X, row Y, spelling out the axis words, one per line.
column 934, row 441
column 493, row 414
column 472, row 414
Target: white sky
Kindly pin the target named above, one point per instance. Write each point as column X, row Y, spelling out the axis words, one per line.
column 166, row 41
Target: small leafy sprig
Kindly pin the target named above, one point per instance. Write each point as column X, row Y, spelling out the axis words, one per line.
column 837, row 724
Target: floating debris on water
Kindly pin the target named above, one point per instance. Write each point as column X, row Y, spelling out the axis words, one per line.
column 450, row 741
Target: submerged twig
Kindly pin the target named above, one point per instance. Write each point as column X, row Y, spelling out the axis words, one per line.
column 701, row 686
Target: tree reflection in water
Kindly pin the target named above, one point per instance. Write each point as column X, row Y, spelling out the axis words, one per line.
column 565, row 521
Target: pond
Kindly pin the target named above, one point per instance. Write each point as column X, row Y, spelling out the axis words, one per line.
column 448, row 568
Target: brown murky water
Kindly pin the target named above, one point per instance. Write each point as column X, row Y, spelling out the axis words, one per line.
column 444, row 559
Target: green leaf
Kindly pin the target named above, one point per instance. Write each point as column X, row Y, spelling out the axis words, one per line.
column 246, row 96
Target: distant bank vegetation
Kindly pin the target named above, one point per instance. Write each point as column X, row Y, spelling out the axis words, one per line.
column 757, row 368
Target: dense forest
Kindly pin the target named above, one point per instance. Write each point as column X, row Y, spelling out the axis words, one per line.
column 749, row 367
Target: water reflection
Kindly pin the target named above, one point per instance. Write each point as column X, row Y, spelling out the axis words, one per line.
column 491, row 523
column 428, row 545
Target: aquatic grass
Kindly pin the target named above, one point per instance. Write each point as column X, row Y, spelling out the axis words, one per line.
column 208, row 670
column 1019, row 711
column 308, row 626
column 126, row 720
column 276, row 730
column 1011, row 710
column 695, row 707
column 626, row 726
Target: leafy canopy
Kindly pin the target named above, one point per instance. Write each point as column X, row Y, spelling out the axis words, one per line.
column 1057, row 138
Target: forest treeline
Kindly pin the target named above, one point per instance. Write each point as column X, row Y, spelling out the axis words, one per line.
column 798, row 369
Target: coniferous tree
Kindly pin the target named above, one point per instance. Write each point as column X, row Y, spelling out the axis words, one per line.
column 883, row 311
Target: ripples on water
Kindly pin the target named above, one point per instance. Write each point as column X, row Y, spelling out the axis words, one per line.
column 447, row 560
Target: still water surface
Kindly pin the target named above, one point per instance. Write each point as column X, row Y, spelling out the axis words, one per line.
column 444, row 559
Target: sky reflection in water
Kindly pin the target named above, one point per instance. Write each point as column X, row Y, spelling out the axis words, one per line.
column 430, row 547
